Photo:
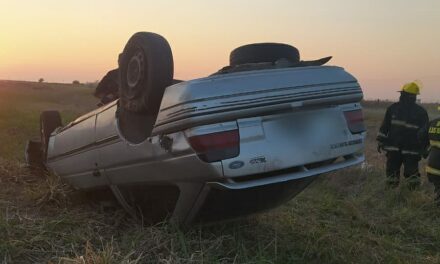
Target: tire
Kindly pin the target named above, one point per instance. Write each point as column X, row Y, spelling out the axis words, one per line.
column 49, row 121
column 33, row 155
column 263, row 52
column 146, row 69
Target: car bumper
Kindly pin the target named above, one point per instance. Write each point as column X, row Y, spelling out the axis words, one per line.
column 223, row 200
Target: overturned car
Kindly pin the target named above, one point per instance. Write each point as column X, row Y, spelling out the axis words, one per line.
column 245, row 139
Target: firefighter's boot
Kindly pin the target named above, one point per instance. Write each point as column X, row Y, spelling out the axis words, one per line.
column 392, row 180
column 413, row 181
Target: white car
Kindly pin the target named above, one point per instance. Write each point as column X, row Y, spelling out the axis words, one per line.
column 244, row 139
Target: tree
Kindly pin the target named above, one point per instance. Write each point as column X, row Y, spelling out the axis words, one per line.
column 40, row 80
column 76, row 82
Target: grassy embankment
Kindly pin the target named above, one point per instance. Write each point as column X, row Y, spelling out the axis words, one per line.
column 345, row 217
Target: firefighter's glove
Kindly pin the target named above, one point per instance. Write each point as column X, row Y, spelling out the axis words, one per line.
column 379, row 147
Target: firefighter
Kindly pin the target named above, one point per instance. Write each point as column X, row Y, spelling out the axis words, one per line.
column 404, row 137
column 433, row 166
column 107, row 89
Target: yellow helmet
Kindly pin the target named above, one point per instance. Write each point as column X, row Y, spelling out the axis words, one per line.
column 412, row 88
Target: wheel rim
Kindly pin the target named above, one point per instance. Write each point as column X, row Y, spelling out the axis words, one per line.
column 135, row 71
column 146, row 69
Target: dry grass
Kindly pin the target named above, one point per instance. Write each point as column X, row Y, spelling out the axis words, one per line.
column 344, row 217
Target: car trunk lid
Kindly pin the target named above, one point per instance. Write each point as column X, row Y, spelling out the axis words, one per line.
column 232, row 96
column 277, row 142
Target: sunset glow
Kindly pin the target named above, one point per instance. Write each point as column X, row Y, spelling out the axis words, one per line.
column 383, row 43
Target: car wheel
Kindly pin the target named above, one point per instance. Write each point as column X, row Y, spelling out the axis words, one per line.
column 33, row 155
column 146, row 69
column 49, row 121
column 263, row 52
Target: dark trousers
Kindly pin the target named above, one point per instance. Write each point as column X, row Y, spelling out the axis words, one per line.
column 395, row 159
column 435, row 180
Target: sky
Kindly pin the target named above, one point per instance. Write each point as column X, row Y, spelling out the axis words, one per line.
column 384, row 44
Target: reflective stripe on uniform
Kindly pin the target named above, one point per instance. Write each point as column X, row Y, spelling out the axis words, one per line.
column 434, row 143
column 404, row 124
column 410, row 152
column 398, row 122
column 433, row 171
column 380, row 134
column 390, row 148
column 411, row 126
column 434, row 130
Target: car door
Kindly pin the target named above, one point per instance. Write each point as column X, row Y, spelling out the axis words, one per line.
column 118, row 158
column 73, row 154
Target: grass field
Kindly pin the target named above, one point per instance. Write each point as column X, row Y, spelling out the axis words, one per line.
column 344, row 217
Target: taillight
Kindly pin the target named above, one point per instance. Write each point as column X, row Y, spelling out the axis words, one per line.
column 216, row 146
column 355, row 121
